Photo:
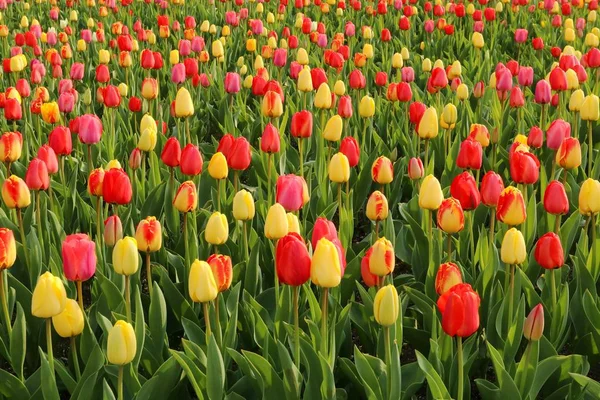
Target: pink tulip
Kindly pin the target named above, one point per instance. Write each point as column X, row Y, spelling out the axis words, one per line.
column 558, row 130
column 290, row 189
column 79, row 257
column 178, row 73
column 90, row 129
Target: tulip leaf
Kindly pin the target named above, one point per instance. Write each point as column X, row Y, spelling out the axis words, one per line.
column 507, row 385
column 526, row 369
column 179, row 305
column 18, row 342
column 110, row 292
column 162, row 382
column 12, row 387
column 107, row 393
column 49, row 388
column 412, row 380
column 157, row 320
column 272, row 386
column 215, row 371
column 194, row 375
column 291, row 374
column 434, row 382
column 367, row 374
column 590, row 385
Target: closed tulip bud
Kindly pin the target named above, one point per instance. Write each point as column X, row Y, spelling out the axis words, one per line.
column 449, row 116
column 293, row 223
column 11, row 144
column 450, row 216
column 333, row 129
column 217, row 229
column 382, row 170
column 513, row 249
column 511, row 207
column 339, row 88
column 568, row 155
column 386, row 306
column 125, row 256
column 184, row 106
column 222, row 270
column 415, row 168
column 290, row 192
column 323, row 97
column 576, row 100
column 116, row 187
column 191, row 160
column 589, row 197
column 460, row 310
column 217, row 49
column 302, row 124
column 325, row 268
column 304, row 81
column 448, row 276
column 95, row 181
column 49, row 296
column 276, row 223
column 549, row 252
column 186, row 198
column 339, row 168
column 50, row 112
column 69, row 322
column 148, row 235
column 202, row 284
column 556, row 201
column 366, row 108
column 113, row 230
column 292, row 260
column 37, row 177
column 590, row 109
column 149, row 88
column 217, row 166
column 8, row 249
column 121, row 345
column 533, row 328
column 147, row 140
column 243, row 206
column 380, row 258
column 558, row 130
column 491, row 187
column 79, row 257
column 470, row 154
column 430, row 194
column 272, row 106
column 462, row 92
column 477, row 40
column 15, row 193
column 428, row 125
column 464, row 189
column 377, row 206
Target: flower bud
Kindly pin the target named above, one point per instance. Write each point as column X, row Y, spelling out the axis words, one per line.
column 121, row 345
column 448, row 275
column 149, row 235
column 533, row 329
column 186, row 198
column 430, row 194
column 202, row 285
column 276, row 224
column 217, row 229
column 125, row 256
column 386, row 306
column 325, row 269
column 69, row 322
column 243, row 206
column 49, row 296
column 513, row 249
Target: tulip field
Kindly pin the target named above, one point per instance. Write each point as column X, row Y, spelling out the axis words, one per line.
column 299, row 199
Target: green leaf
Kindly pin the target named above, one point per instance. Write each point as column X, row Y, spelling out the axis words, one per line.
column 215, row 371
column 157, row 320
column 193, row 373
column 272, row 385
column 49, row 389
column 12, row 387
column 162, row 382
column 18, row 342
column 527, row 368
column 436, row 386
column 140, row 327
column 588, row 384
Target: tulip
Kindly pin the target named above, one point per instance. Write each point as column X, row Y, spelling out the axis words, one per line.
column 366, row 107
column 590, row 108
column 589, row 197
column 125, row 257
column 292, row 260
column 222, row 271
column 150, row 88
column 217, row 167
column 339, row 168
column 430, row 194
column 121, row 344
column 11, row 144
column 272, row 105
column 524, row 166
column 377, row 207
column 470, row 155
column 8, row 249
column 386, row 307
column 380, row 258
column 191, row 161
column 464, row 189
column 450, row 216
column 147, row 140
column 382, row 170
column 290, row 192
column 448, row 117
column 116, row 187
column 448, row 276
column 428, row 125
column 511, row 207
column 90, row 129
column 217, row 229
column 333, row 129
column 460, row 313
column 513, row 249
column 270, row 141
column 37, row 177
column 15, row 193
column 79, row 260
column 276, row 223
column 555, row 199
column 325, row 270
column 568, row 155
column 239, row 156
column 171, row 153
column 202, row 284
column 491, row 187
column 302, row 124
column 186, row 198
column 556, row 133
column 533, row 329
column 243, row 206
column 69, row 322
column 323, row 97
column 549, row 252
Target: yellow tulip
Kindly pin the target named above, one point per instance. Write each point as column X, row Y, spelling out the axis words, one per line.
column 339, row 168
column 366, row 108
column 333, row 129
column 325, row 269
column 217, row 229
column 184, row 106
column 125, row 256
column 202, row 285
column 293, row 223
column 339, row 88
column 323, row 97
column 576, row 100
column 243, row 206
column 386, row 307
column 589, row 197
column 305, row 81
column 430, row 194
column 69, row 322
column 147, row 140
column 121, row 345
column 428, row 127
column 397, row 61
column 49, row 296
column 276, row 224
column 217, row 166
column 513, row 249
column 590, row 109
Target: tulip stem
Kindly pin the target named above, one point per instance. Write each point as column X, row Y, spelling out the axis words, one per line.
column 149, row 273
column 388, row 359
column 245, row 224
column 62, row 170
column 593, row 226
column 75, row 358
column 49, row 344
column 430, row 228
column 492, row 226
column 340, row 202
column 296, row 329
column 449, row 239
column 206, row 321
column 552, row 283
column 459, row 359
column 217, row 321
column 23, row 240
column 590, row 149
column 219, row 195
column 127, row 299
column 187, row 131
column 143, row 183
column 80, row 295
column 472, row 240
column 5, row 303
column 324, row 304
column 301, row 162
column 512, row 293
column 120, row 383
column 426, row 154
column 90, row 161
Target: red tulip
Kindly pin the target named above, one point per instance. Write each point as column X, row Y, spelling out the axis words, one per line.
column 438, row 78
column 292, row 260
column 48, row 156
column 270, row 141
column 365, row 271
column 232, row 82
column 470, row 155
column 191, row 160
column 556, row 201
column 464, row 189
column 345, row 107
column 543, row 93
column 549, row 252
column 112, row 97
column 135, row 104
column 116, row 187
column 516, row 99
column 79, row 257
column 36, row 176
column 415, row 112
column 239, row 155
column 404, row 92
column 102, row 74
column 222, row 270
column 357, row 79
column 524, row 166
column 89, row 128
column 60, row 140
column 537, row 43
column 535, row 138
column 350, row 148
column 415, row 168
column 460, row 310
column 558, row 130
column 381, row 78
column 302, row 124
column 491, row 187
column 323, row 229
column 12, row 110
column 226, row 144
column 558, row 79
